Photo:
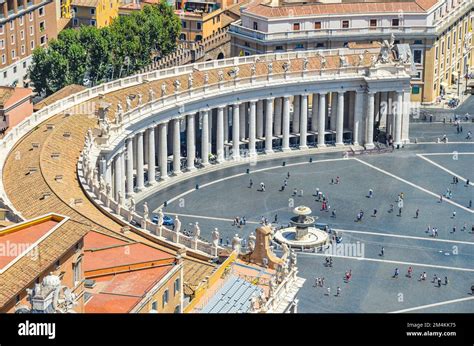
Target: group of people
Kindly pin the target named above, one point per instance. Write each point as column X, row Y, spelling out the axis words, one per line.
column 423, row 276
column 239, row 221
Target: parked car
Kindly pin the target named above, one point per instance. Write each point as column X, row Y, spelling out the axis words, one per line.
column 167, row 220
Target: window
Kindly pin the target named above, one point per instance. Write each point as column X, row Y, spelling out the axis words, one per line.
column 21, row 20
column 436, row 53
column 41, row 26
column 2, row 44
column 417, row 56
column 30, row 16
column 22, row 35
column 199, row 25
column 442, row 47
column 320, row 45
column 32, row 44
column 395, row 22
column 31, row 31
column 183, row 24
column 74, row 22
column 13, row 54
column 317, row 25
column 418, row 42
column 12, row 25
column 5, row 74
column 165, row 297
column 92, row 11
column 418, row 75
column 177, row 309
column 41, row 11
column 12, row 39
column 279, row 48
column 373, row 23
column 14, row 69
column 22, row 49
column 299, row 46
column 247, row 44
column 154, row 305
column 255, row 25
column 43, row 40
column 77, row 272
column 448, row 44
column 345, row 24
column 182, row 37
column 454, row 36
column 4, row 59
column 177, row 285
column 296, row 26
column 17, row 299
column 415, row 90
column 1, row 29
column 24, row 64
column 92, row 22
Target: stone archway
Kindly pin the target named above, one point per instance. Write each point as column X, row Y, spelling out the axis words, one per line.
column 220, row 56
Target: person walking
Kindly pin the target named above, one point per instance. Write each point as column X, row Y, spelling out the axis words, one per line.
column 333, row 213
column 417, row 213
column 275, row 220
column 439, row 282
column 262, row 186
column 397, row 271
column 338, row 291
column 382, row 251
column 371, row 193
column 375, row 213
column 250, row 183
column 410, row 271
column 295, row 191
column 329, row 291
column 445, row 280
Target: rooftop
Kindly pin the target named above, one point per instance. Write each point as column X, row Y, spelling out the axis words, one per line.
column 299, row 10
column 9, row 95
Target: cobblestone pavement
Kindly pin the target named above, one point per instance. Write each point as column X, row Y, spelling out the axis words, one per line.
column 421, row 171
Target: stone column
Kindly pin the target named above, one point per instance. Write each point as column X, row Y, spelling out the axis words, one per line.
column 117, row 171
column 190, row 142
column 369, row 132
column 151, row 156
column 220, row 134
column 357, row 117
column 176, row 147
column 314, row 113
column 340, row 119
column 383, row 104
column 304, row 121
column 108, row 172
column 252, row 127
column 286, row 124
column 269, row 126
column 398, row 119
column 406, row 117
column 122, row 172
column 235, row 132
column 277, row 127
column 260, row 119
column 129, row 164
column 333, row 121
column 140, row 169
column 296, row 115
column 205, row 137
column 242, row 118
column 226, row 124
column 322, row 120
column 163, row 128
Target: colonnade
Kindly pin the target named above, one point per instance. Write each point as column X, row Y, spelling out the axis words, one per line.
column 245, row 128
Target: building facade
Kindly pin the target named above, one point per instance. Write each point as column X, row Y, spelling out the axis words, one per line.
column 98, row 13
column 16, row 104
column 24, row 26
column 438, row 32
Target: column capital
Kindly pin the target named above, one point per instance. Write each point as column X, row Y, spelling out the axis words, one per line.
column 222, row 107
column 322, row 93
column 254, row 101
column 204, row 110
column 271, row 98
column 236, row 104
column 140, row 132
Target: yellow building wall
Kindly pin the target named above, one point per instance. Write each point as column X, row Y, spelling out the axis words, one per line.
column 106, row 11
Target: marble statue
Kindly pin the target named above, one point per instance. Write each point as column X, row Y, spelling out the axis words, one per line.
column 101, row 184
column 236, row 241
column 220, row 75
column 361, row 59
column 108, row 189
column 215, row 237
column 128, row 102
column 146, row 211
column 177, row 85
column 119, row 107
column 160, row 217
column 132, row 206
column 286, row 66
column 104, row 127
column 95, row 177
column 253, row 69
column 392, row 40
column 163, row 89
column 90, row 137
column 151, row 94
column 323, row 62
column 252, row 241
column 177, row 224
column 343, row 61
column 120, row 198
column 286, row 250
column 270, row 68
column 197, row 230
column 190, row 80
column 140, row 99
column 305, row 64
